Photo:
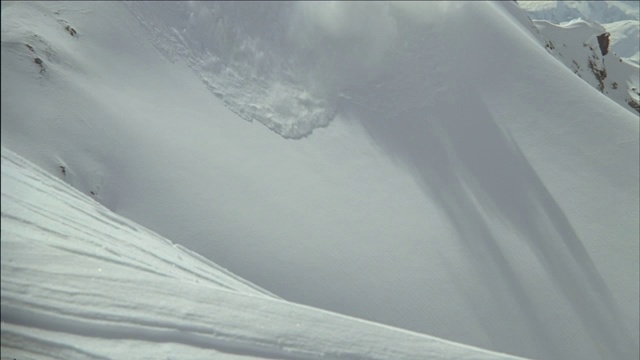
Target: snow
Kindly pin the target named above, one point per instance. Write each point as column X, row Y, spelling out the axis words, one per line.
column 576, row 45
column 599, row 11
column 138, row 295
column 625, row 36
column 620, row 18
column 459, row 181
column 570, row 29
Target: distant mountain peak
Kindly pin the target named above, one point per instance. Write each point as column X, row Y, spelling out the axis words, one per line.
column 583, row 46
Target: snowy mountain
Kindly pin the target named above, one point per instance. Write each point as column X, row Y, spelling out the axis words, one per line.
column 605, row 56
column 620, row 18
column 602, row 12
column 426, row 166
column 583, row 47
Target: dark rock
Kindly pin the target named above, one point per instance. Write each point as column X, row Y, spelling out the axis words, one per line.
column 603, row 42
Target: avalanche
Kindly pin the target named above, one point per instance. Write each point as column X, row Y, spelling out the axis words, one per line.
column 428, row 166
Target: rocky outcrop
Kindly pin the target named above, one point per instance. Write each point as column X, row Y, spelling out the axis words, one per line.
column 584, row 47
column 603, row 42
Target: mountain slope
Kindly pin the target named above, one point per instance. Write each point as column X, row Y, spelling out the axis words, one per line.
column 81, row 282
column 577, row 45
column 467, row 186
column 625, row 36
column 620, row 18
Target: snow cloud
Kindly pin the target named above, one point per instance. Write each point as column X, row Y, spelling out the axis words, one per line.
column 353, row 37
column 426, row 12
column 353, row 41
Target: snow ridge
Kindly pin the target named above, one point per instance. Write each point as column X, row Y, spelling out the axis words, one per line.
column 599, row 11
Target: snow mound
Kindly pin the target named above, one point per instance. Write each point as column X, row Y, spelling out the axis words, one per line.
column 79, row 281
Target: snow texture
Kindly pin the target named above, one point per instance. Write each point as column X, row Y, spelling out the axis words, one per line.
column 79, row 281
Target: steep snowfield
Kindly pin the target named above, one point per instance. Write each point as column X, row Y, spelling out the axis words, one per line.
column 462, row 182
column 79, row 281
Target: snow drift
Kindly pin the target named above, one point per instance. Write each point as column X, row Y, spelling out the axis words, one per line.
column 449, row 176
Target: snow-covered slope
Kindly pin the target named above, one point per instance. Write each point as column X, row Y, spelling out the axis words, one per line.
column 80, row 282
column 625, row 39
column 577, row 45
column 463, row 183
column 620, row 18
